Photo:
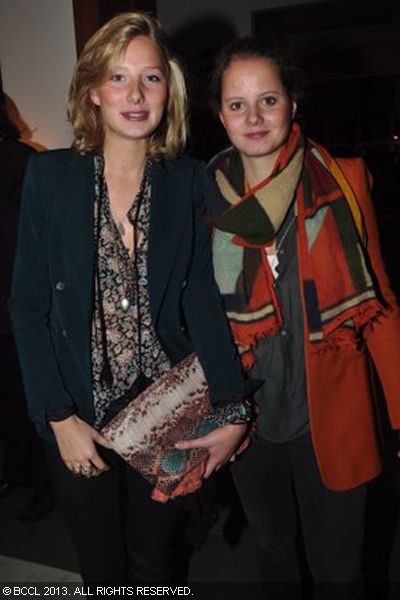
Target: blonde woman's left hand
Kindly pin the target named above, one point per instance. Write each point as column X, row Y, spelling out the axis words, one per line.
column 220, row 443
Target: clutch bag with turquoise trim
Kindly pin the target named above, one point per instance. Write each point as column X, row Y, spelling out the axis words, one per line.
column 176, row 407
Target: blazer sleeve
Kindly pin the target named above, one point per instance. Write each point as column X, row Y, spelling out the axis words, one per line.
column 383, row 334
column 205, row 316
column 31, row 299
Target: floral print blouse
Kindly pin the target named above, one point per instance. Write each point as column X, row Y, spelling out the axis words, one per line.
column 122, row 335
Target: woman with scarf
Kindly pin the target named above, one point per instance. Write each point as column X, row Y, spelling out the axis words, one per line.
column 112, row 285
column 297, row 261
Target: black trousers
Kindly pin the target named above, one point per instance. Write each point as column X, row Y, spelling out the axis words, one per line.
column 282, row 493
column 121, row 535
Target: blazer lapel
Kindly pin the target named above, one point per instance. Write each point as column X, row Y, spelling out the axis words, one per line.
column 167, row 217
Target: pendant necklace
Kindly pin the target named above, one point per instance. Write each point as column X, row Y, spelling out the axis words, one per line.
column 273, row 259
column 125, row 304
column 128, row 297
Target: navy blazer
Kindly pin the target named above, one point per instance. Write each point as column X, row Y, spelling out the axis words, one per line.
column 52, row 293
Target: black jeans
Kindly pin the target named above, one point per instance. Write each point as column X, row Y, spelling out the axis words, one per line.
column 121, row 535
column 282, row 492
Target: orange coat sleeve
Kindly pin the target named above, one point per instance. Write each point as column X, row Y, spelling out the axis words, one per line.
column 383, row 335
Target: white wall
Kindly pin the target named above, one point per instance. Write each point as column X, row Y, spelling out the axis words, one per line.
column 175, row 14
column 37, row 55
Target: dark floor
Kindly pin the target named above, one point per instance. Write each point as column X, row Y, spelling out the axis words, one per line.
column 226, row 556
column 47, row 542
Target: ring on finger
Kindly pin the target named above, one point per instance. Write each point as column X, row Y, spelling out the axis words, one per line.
column 87, row 470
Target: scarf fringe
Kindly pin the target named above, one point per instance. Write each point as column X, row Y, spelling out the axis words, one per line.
column 248, row 360
column 340, row 337
column 360, row 315
column 248, row 356
column 248, row 337
column 338, row 340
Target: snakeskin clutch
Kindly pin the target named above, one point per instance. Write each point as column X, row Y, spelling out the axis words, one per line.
column 176, row 407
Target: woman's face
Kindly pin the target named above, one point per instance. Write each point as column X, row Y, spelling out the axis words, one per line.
column 133, row 96
column 256, row 110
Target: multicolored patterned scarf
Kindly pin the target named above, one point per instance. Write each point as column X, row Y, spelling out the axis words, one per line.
column 338, row 291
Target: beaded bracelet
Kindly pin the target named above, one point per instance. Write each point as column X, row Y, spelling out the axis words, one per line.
column 237, row 413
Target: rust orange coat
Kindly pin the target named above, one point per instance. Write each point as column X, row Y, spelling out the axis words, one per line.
column 343, row 423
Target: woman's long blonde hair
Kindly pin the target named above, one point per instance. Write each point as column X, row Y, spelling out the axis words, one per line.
column 93, row 66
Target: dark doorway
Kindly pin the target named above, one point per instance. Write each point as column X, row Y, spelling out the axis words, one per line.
column 91, row 14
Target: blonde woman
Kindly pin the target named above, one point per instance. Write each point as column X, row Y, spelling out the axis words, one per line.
column 113, row 285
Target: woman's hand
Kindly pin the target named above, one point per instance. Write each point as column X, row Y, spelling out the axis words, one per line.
column 220, row 443
column 76, row 443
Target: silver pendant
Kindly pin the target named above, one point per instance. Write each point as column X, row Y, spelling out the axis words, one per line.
column 125, row 304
